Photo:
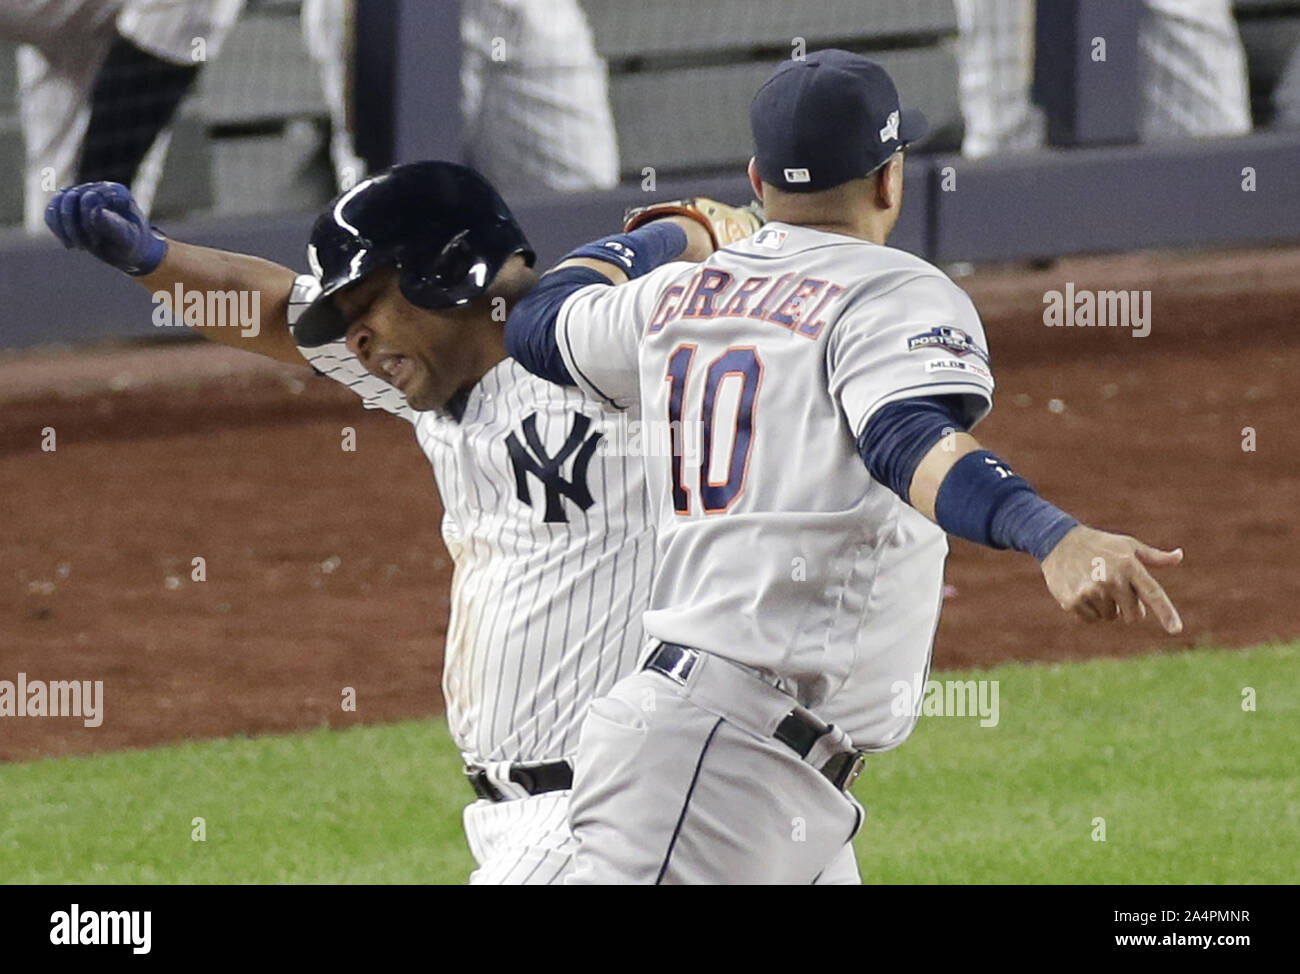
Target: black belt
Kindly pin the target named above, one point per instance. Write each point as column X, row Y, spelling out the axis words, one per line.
column 536, row 779
column 799, row 730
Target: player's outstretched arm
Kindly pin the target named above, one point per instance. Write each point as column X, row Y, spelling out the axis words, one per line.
column 699, row 244
column 104, row 220
column 679, row 230
column 207, row 269
column 1094, row 574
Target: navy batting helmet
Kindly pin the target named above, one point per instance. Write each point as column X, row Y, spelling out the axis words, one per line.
column 442, row 226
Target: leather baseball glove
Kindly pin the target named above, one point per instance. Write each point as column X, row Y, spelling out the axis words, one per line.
column 726, row 224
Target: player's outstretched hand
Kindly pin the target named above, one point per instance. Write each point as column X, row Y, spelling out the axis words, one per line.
column 104, row 220
column 1100, row 576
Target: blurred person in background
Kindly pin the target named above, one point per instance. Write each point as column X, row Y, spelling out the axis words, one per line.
column 328, row 33
column 535, row 97
column 1286, row 94
column 995, row 58
column 534, row 94
column 99, row 82
column 1192, row 73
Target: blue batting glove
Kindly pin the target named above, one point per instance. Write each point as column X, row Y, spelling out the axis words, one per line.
column 104, row 220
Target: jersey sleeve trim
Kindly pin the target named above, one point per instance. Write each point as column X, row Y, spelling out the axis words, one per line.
column 927, row 389
column 335, row 361
column 301, row 295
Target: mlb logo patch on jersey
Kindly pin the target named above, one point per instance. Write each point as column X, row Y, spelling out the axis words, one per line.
column 945, row 336
column 957, row 365
column 771, row 238
column 798, row 176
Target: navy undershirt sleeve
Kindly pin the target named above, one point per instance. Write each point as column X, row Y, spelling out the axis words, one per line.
column 981, row 499
column 530, row 327
column 900, row 434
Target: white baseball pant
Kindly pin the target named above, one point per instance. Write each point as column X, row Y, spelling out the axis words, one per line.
column 534, row 94
column 535, row 98
column 520, row 842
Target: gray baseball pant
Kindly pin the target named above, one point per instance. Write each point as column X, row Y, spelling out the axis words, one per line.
column 678, row 784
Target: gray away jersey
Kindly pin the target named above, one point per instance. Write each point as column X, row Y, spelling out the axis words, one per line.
column 776, row 547
column 549, row 530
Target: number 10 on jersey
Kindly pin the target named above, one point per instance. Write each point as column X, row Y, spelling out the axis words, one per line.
column 742, row 366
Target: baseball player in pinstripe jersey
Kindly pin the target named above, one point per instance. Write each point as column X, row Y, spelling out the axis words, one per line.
column 549, row 532
column 552, row 571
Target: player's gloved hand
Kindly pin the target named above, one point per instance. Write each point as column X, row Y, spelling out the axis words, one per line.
column 104, row 220
column 726, row 224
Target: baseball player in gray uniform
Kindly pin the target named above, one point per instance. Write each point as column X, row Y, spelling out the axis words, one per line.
column 800, row 557
column 549, row 530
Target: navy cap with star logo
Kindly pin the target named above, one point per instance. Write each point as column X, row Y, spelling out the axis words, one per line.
column 828, row 118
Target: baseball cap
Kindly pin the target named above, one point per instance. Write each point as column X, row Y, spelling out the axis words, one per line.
column 826, row 119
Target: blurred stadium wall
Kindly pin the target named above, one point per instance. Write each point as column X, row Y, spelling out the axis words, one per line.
column 249, row 160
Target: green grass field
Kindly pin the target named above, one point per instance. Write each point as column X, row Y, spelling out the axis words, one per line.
column 1191, row 787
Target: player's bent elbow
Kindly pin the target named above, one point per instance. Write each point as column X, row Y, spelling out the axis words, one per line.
column 530, row 326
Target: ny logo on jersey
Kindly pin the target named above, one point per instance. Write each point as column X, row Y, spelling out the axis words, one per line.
column 533, row 459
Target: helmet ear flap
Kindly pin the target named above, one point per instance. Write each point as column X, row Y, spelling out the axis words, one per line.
column 419, row 289
column 430, row 281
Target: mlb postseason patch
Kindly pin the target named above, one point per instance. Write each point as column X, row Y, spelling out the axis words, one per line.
column 943, row 336
column 957, row 365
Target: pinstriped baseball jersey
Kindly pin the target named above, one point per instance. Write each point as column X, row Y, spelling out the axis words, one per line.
column 777, row 548
column 549, row 530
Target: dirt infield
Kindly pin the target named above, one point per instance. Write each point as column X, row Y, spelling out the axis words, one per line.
column 324, row 568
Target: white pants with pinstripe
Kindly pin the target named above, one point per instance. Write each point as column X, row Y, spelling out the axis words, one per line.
column 520, row 842
column 527, row 842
